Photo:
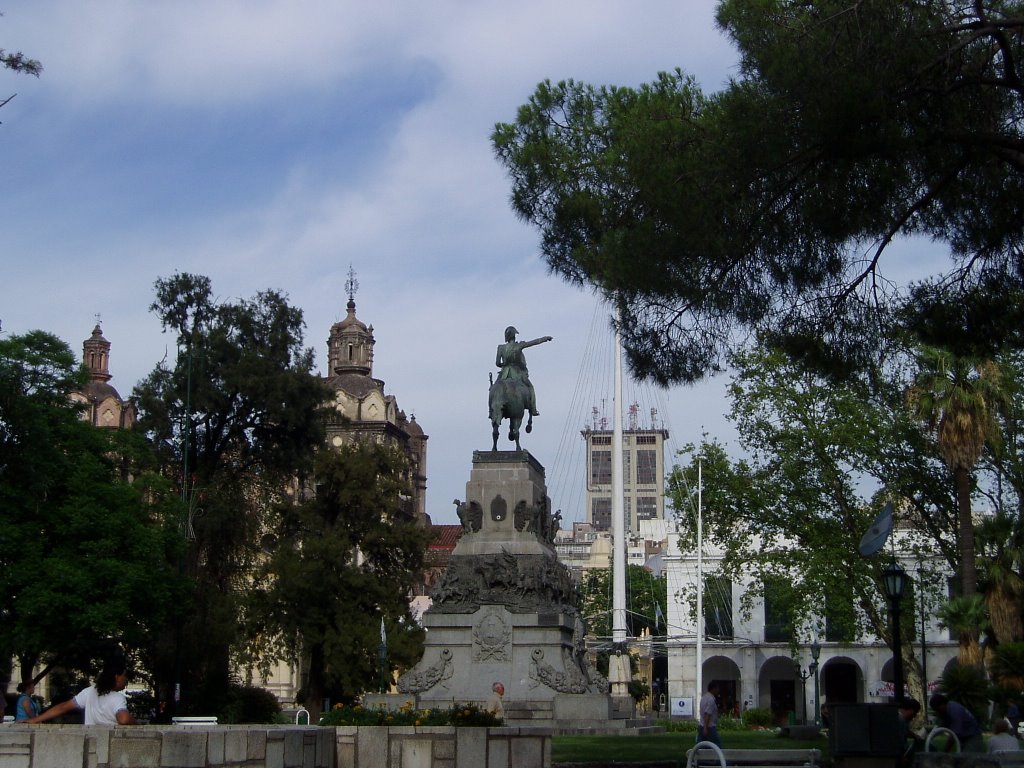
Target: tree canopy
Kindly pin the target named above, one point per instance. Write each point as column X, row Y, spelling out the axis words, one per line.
column 646, row 603
column 345, row 558
column 234, row 420
column 773, row 204
column 84, row 554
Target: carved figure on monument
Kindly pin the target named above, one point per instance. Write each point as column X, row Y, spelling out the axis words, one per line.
column 513, row 393
column 418, row 680
column 492, row 638
column 523, row 584
column 471, row 515
column 597, row 681
column 570, row 679
column 540, row 518
column 556, row 525
column 522, row 517
column 619, row 673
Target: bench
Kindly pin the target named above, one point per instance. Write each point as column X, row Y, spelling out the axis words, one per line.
column 705, row 754
column 194, row 720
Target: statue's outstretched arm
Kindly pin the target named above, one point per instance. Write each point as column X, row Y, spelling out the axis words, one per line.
column 535, row 342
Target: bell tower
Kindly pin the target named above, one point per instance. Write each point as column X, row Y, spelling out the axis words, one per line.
column 96, row 355
column 350, row 344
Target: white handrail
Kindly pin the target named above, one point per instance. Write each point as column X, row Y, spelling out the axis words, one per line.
column 303, row 709
column 940, row 729
column 705, row 745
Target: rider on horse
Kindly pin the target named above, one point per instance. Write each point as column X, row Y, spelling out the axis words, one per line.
column 512, row 361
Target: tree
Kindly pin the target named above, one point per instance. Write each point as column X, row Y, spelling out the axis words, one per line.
column 234, row 421
column 18, row 62
column 646, row 602
column 84, row 555
column 958, row 398
column 771, row 204
column 822, row 459
column 968, row 618
column 350, row 557
column 1000, row 558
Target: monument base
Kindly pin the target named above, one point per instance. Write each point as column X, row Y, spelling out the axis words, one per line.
column 505, row 610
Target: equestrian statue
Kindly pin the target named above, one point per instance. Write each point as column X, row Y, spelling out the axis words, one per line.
column 513, row 394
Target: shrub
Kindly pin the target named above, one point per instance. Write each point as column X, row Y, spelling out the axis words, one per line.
column 968, row 686
column 757, row 717
column 679, row 726
column 459, row 715
column 1008, row 665
column 249, row 704
column 729, row 723
column 638, row 690
column 142, row 705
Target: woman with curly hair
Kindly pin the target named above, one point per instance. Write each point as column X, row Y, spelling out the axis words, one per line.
column 103, row 703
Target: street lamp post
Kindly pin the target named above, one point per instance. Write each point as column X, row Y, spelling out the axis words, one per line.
column 815, row 655
column 894, row 578
column 924, row 648
column 803, row 685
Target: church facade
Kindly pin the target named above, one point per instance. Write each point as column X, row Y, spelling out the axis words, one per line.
column 362, row 408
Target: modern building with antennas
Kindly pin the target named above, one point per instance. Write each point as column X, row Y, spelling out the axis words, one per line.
column 643, row 457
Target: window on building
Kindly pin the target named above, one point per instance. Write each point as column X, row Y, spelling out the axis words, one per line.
column 646, row 440
column 778, row 611
column 600, row 467
column 601, row 514
column 602, row 440
column 646, row 467
column 718, row 608
column 627, row 472
column 646, row 508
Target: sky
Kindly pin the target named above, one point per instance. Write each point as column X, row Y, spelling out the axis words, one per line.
column 273, row 145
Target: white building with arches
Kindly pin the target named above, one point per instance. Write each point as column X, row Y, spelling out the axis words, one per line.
column 755, row 660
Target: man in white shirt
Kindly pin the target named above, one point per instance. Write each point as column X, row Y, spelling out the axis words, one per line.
column 707, row 726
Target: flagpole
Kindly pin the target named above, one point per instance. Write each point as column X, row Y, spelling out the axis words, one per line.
column 382, row 658
column 700, row 582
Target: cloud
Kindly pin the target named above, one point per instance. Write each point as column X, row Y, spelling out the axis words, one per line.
column 272, row 144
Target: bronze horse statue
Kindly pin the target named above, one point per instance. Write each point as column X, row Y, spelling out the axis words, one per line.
column 508, row 399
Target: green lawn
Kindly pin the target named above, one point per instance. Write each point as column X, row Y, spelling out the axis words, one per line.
column 663, row 747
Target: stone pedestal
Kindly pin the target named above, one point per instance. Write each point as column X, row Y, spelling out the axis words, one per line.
column 506, row 609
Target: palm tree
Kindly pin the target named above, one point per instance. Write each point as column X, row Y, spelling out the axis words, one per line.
column 958, row 399
column 1000, row 555
column 967, row 617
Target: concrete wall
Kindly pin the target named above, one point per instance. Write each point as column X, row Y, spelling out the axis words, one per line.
column 76, row 746
column 443, row 747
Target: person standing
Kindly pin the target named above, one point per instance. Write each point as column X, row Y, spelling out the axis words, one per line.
column 1013, row 714
column 495, row 705
column 956, row 717
column 707, row 728
column 27, row 706
column 104, row 702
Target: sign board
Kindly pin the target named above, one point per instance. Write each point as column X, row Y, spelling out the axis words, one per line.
column 885, row 688
column 682, row 706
